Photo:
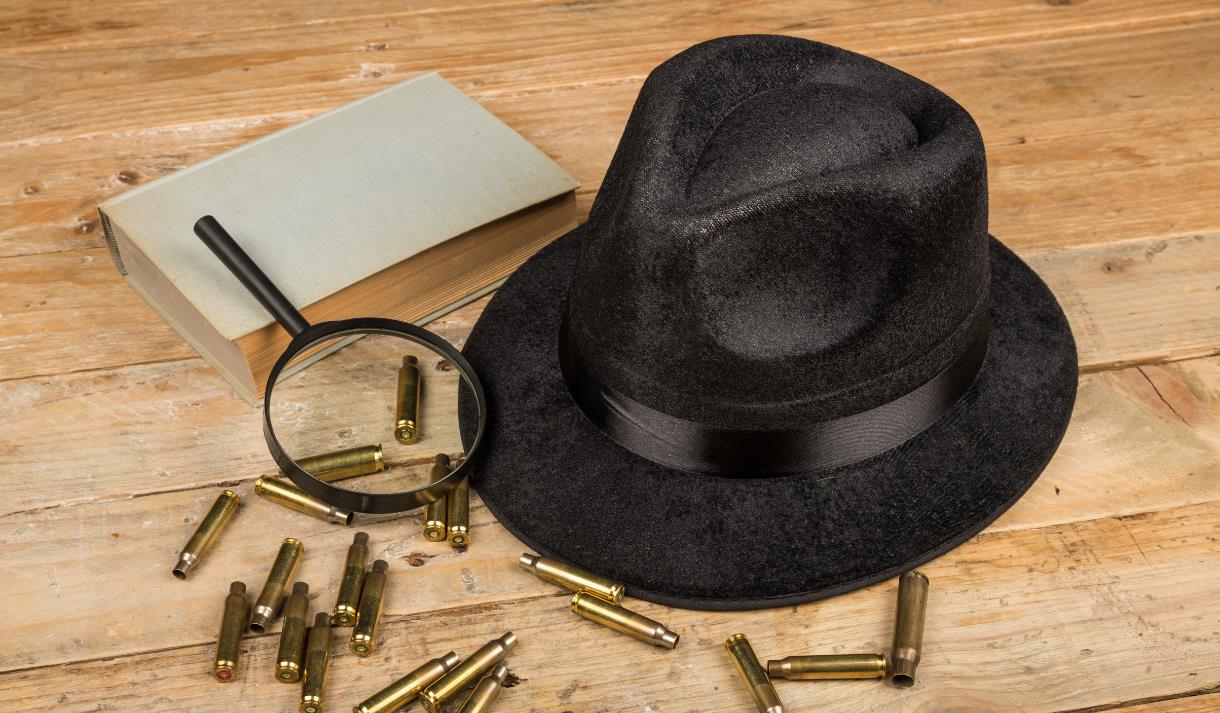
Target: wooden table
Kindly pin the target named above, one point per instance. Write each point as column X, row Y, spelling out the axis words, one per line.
column 1098, row 591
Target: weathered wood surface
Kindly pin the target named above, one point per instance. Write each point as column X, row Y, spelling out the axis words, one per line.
column 1204, row 702
column 1048, row 95
column 1046, row 619
column 1094, row 593
column 1143, row 439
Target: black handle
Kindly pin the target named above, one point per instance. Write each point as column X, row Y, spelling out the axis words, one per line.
column 244, row 269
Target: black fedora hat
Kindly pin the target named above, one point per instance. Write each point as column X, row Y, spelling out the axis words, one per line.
column 783, row 359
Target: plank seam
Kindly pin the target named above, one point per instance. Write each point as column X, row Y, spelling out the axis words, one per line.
column 460, row 610
column 229, row 483
column 304, row 24
column 90, row 370
column 1144, row 701
column 1085, row 27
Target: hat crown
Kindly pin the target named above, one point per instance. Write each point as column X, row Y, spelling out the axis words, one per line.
column 802, row 237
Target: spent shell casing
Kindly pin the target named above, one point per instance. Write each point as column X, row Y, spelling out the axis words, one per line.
column 368, row 614
column 292, row 497
column 348, row 601
column 637, row 626
column 908, row 628
column 828, row 667
column 459, row 514
column 486, row 690
column 292, row 636
column 207, row 533
column 228, row 643
column 572, row 577
column 752, row 673
column 435, row 524
column 405, row 689
column 272, row 596
column 406, row 427
column 317, row 658
column 347, row 463
column 465, row 673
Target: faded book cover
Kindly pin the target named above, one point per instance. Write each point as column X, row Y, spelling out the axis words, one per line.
column 405, row 204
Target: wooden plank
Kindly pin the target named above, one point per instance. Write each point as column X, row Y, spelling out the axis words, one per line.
column 63, row 24
column 1139, row 301
column 154, row 423
column 1142, row 440
column 1065, row 617
column 1188, row 703
column 1091, row 189
column 531, row 48
column 73, row 312
column 1061, row 161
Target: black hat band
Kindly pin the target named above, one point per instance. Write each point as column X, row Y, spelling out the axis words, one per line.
column 695, row 448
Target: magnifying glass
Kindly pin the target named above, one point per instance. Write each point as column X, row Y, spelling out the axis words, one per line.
column 359, row 413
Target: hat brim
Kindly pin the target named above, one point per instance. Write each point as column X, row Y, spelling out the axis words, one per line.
column 708, row 542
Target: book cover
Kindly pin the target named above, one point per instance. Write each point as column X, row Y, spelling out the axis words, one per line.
column 404, row 204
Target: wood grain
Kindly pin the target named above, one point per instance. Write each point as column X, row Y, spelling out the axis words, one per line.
column 63, row 23
column 1066, row 126
column 1189, row 702
column 295, row 71
column 1139, row 301
column 156, row 423
column 1142, row 439
column 1013, row 625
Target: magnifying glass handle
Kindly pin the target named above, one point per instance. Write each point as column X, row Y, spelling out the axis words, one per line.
column 244, row 269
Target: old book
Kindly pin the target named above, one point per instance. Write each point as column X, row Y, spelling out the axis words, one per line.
column 406, row 204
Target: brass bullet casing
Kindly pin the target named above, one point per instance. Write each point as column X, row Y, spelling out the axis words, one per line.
column 435, row 524
column 623, row 620
column 486, row 690
column 272, row 596
column 207, row 533
column 292, row 636
column 908, row 628
column 761, row 690
column 228, row 643
column 459, row 514
column 406, row 427
column 364, row 634
column 347, row 463
column 465, row 673
column 405, row 689
column 572, row 577
column 348, row 601
column 317, row 658
column 293, row 498
column 828, row 667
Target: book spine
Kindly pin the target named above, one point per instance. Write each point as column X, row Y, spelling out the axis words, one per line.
column 111, row 244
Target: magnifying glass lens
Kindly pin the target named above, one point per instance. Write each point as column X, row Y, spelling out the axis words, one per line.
column 369, row 412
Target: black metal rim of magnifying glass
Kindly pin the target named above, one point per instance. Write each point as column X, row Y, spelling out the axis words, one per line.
column 373, row 503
